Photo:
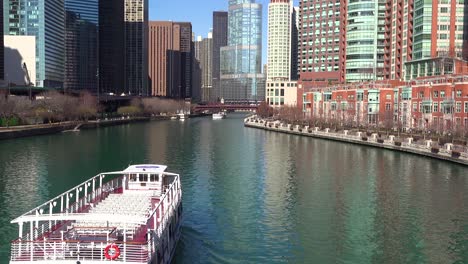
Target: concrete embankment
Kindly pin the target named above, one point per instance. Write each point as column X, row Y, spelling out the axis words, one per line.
column 36, row 130
column 373, row 141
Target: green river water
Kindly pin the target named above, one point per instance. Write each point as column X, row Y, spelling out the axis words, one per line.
column 252, row 196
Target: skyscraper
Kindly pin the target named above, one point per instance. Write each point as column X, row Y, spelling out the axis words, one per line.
column 123, row 46
column 45, row 20
column 365, row 41
column 186, row 47
column 136, row 47
column 241, row 60
column 220, row 34
column 81, row 45
column 203, row 54
column 322, row 42
column 439, row 39
column 282, row 38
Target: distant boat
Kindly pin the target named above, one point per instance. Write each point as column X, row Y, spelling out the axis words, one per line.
column 181, row 116
column 220, row 115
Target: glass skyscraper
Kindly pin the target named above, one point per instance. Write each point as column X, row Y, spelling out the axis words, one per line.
column 44, row 19
column 241, row 60
column 81, row 45
column 365, row 38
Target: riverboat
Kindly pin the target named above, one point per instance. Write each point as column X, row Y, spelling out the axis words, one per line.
column 220, row 115
column 129, row 216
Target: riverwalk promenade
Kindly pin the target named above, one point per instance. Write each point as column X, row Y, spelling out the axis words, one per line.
column 426, row 148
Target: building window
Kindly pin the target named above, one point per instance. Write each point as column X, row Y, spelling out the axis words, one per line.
column 442, row 94
column 458, row 107
column 436, row 107
column 415, row 107
column 466, row 107
column 459, row 93
column 387, row 107
column 436, row 94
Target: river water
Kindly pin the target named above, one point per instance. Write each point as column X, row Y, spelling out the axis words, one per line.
column 252, row 196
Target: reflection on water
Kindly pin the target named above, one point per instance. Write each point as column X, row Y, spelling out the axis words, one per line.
column 252, row 196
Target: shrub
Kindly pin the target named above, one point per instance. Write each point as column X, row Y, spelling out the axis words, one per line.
column 435, row 150
column 379, row 140
column 364, row 138
column 397, row 143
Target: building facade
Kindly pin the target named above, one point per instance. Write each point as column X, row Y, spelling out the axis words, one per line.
column 164, row 58
column 241, row 60
column 437, row 104
column 220, row 36
column 46, row 21
column 123, row 47
column 111, row 47
column 186, row 54
column 81, row 45
column 365, row 40
column 280, row 90
column 204, row 57
column 439, row 39
column 322, row 42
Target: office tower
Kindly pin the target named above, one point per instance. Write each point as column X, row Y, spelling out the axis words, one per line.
column 136, row 47
column 46, row 21
column 241, row 60
column 439, row 39
column 203, row 55
column 123, row 47
column 81, row 45
column 220, row 32
column 186, row 47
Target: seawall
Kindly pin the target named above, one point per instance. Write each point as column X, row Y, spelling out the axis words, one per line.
column 389, row 144
column 43, row 129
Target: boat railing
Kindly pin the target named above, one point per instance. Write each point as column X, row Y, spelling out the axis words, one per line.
column 57, row 250
column 76, row 200
column 164, row 211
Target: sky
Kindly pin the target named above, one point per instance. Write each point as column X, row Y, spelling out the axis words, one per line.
column 200, row 13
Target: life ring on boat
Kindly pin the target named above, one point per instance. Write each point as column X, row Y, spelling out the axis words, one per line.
column 112, row 252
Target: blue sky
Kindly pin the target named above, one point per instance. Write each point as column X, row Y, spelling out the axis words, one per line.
column 200, row 13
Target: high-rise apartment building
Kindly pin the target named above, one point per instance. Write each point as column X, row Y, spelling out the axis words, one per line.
column 123, row 47
column 241, row 60
column 45, row 20
column 81, row 45
column 439, row 38
column 399, row 38
column 220, row 32
column 365, row 40
column 282, row 38
column 322, row 42
column 203, row 55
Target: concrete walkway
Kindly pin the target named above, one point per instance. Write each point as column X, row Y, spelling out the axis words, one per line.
column 373, row 141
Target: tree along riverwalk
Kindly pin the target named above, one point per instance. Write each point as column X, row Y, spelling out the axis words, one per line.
column 427, row 149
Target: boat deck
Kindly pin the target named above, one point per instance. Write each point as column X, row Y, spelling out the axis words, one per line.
column 132, row 210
